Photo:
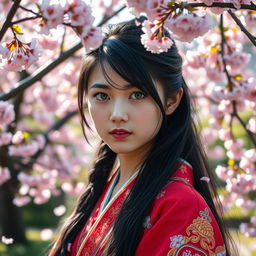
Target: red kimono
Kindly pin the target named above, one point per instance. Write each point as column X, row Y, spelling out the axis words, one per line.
column 179, row 223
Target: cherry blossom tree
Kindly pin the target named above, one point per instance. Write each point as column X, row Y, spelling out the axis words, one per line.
column 42, row 43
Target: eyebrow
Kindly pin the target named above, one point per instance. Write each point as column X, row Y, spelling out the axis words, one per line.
column 106, row 86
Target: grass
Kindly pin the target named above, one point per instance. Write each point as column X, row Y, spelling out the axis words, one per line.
column 37, row 247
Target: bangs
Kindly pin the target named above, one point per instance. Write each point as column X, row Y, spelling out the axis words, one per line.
column 127, row 64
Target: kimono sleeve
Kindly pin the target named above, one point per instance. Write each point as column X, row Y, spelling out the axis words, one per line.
column 180, row 224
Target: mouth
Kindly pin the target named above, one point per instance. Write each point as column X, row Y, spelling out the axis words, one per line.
column 120, row 133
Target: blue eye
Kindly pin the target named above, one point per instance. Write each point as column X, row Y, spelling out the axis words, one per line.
column 101, row 96
column 138, row 95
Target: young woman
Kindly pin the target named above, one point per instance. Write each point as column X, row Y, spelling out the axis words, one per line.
column 145, row 194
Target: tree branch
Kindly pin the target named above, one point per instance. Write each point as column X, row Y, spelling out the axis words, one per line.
column 242, row 27
column 8, row 21
column 223, row 53
column 234, row 104
column 25, row 19
column 40, row 73
column 223, row 5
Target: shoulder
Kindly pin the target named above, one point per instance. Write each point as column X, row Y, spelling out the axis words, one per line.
column 179, row 194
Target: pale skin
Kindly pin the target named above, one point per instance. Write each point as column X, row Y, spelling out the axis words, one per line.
column 130, row 109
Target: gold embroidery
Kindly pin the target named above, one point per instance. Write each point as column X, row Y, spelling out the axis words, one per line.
column 200, row 231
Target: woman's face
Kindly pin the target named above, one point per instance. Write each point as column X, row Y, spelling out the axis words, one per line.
column 127, row 120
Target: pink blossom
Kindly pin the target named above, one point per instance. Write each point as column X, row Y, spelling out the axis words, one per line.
column 5, row 138
column 41, row 141
column 233, row 144
column 214, row 73
column 153, row 8
column 6, row 240
column 48, row 98
column 217, row 10
column 69, row 73
column 21, row 200
column 47, row 42
column 45, row 118
column 248, row 229
column 60, row 210
column 152, row 44
column 250, row 19
column 251, row 125
column 208, row 2
column 46, row 234
column 195, row 60
column 186, row 27
column 248, row 161
column 4, row 175
column 136, row 6
column 18, row 137
column 52, row 15
column 206, row 179
column 250, row 91
column 21, row 55
column 7, row 114
column 225, row 134
column 93, row 39
column 222, row 172
column 215, row 123
column 24, row 189
column 237, row 59
column 28, row 149
column 4, row 52
column 81, row 16
column 42, row 196
column 253, row 221
column 216, row 153
column 243, row 183
column 237, row 3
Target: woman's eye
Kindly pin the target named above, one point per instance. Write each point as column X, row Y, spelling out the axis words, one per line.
column 101, row 96
column 138, row 95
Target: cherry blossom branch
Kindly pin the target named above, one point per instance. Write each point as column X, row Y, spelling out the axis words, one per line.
column 222, row 5
column 25, row 19
column 222, row 52
column 234, row 113
column 40, row 73
column 249, row 133
column 8, row 21
column 242, row 27
column 28, row 10
column 56, row 126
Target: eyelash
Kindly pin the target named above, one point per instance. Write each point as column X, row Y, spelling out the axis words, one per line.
column 102, row 93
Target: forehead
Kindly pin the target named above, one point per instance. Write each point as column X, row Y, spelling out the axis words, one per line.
column 97, row 79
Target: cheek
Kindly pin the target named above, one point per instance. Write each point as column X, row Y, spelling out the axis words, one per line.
column 96, row 113
column 149, row 116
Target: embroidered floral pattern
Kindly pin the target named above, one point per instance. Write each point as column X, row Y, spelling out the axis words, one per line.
column 161, row 194
column 177, row 241
column 199, row 232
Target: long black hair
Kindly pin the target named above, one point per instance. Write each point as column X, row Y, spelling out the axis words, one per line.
column 123, row 52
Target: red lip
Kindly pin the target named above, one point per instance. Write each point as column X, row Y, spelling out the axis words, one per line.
column 120, row 133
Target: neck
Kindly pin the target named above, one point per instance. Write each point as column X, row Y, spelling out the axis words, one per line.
column 129, row 164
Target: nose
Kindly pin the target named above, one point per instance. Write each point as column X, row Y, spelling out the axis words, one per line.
column 119, row 112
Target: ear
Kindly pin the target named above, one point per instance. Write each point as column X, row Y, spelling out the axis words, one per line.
column 174, row 102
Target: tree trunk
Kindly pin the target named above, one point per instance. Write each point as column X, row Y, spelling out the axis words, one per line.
column 11, row 221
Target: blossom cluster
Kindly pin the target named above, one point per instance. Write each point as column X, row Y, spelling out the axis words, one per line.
column 17, row 55
column 184, row 22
